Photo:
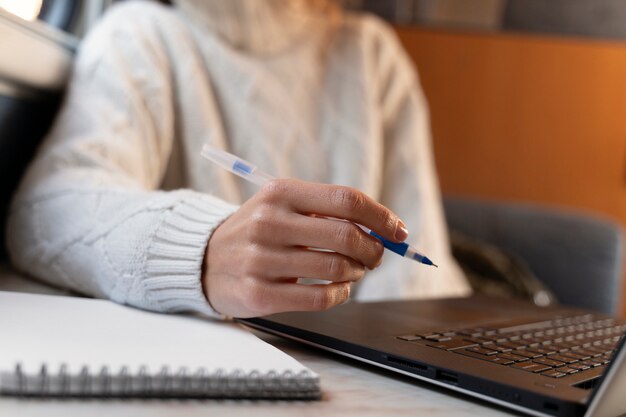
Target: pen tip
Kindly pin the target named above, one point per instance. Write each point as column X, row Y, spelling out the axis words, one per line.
column 427, row 261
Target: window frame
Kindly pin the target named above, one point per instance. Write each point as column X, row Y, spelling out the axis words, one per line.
column 60, row 13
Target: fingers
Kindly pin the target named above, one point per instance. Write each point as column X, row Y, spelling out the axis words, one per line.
column 278, row 230
column 271, row 298
column 339, row 202
column 306, row 263
column 340, row 236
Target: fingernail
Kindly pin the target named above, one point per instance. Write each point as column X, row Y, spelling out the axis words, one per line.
column 401, row 232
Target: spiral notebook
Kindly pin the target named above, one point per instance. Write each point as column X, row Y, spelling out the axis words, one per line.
column 67, row 346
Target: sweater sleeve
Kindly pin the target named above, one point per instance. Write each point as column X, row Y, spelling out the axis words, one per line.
column 88, row 215
column 410, row 186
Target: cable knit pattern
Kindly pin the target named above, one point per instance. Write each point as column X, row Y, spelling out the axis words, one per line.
column 119, row 204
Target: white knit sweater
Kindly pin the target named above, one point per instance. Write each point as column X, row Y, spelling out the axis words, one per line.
column 119, row 203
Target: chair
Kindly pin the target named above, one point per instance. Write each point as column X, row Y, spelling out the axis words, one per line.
column 577, row 256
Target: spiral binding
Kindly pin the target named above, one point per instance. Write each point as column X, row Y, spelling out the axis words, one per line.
column 164, row 383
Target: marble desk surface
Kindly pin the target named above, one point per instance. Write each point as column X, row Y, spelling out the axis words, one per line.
column 349, row 389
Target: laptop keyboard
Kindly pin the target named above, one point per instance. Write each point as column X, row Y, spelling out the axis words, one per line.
column 552, row 348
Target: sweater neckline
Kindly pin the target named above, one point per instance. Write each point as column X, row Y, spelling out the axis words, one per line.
column 259, row 27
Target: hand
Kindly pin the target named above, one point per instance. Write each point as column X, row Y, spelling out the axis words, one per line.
column 254, row 259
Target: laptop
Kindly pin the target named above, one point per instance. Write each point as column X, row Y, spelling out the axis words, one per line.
column 543, row 361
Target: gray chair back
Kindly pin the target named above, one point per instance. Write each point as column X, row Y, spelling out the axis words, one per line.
column 577, row 256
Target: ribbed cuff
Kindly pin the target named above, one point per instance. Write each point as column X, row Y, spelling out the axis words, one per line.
column 174, row 263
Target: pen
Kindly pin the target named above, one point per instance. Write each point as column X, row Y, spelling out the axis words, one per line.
column 251, row 173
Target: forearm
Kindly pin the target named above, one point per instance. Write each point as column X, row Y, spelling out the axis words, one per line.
column 142, row 248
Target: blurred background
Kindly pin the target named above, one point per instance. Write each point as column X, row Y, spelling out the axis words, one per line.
column 527, row 97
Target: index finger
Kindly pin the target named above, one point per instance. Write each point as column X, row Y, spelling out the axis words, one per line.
column 342, row 203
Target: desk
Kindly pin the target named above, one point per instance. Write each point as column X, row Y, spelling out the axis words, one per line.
column 350, row 389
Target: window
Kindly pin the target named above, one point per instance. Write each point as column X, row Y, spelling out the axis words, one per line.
column 58, row 13
column 26, row 9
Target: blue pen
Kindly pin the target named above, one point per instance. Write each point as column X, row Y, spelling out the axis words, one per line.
column 251, row 173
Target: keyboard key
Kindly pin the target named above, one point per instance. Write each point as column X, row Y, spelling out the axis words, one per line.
column 426, row 334
column 441, row 338
column 543, row 350
column 477, row 340
column 500, row 348
column 436, row 337
column 580, row 366
column 588, row 352
column 501, row 361
column 595, row 351
column 512, row 357
column 466, row 352
column 531, row 341
column 409, row 337
column 530, row 366
column 548, row 362
column 451, row 343
column 567, row 370
column 492, row 338
column 510, row 345
column 592, row 363
column 483, row 351
column 553, row 374
column 569, row 344
column 527, row 353
column 575, row 355
column 493, row 359
column 560, row 348
column 561, row 358
column 476, row 332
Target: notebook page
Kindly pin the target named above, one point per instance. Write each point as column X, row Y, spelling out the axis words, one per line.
column 38, row 329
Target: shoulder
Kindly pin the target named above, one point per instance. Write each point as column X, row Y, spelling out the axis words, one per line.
column 377, row 43
column 369, row 32
column 130, row 28
column 378, row 48
column 392, row 75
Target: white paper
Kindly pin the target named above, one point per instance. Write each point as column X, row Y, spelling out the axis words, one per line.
column 55, row 330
